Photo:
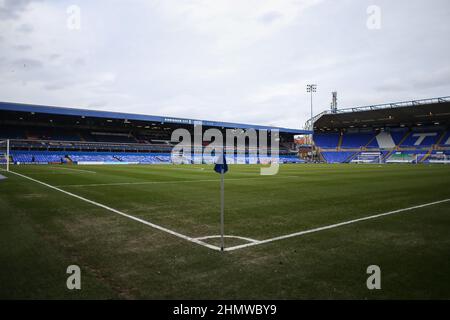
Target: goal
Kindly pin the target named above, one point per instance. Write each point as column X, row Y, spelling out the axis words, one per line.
column 4, row 155
column 368, row 157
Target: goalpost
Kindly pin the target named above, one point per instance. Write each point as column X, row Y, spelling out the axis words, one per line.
column 4, row 155
column 368, row 158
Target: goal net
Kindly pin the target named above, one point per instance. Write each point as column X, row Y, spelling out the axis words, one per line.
column 368, row 157
column 4, row 155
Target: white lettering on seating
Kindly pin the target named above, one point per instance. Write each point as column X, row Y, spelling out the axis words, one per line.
column 422, row 136
column 385, row 140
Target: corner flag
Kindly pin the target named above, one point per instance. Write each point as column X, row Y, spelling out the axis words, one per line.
column 222, row 167
column 221, row 164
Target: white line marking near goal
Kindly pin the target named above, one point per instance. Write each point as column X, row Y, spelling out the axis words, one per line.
column 174, row 233
column 265, row 178
column 336, row 225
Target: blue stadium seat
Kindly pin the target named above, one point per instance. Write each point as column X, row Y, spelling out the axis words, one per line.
column 356, row 140
column 326, row 140
column 337, row 157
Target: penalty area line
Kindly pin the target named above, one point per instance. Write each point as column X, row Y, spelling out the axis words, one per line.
column 332, row 226
column 155, row 226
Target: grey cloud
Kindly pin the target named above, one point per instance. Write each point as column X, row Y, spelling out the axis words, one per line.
column 23, row 47
column 25, row 28
column 11, row 9
column 421, row 81
column 270, row 17
column 391, row 85
column 54, row 86
column 28, row 63
column 436, row 79
column 54, row 56
column 80, row 62
column 97, row 104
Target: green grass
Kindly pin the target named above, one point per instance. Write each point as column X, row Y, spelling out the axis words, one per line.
column 42, row 231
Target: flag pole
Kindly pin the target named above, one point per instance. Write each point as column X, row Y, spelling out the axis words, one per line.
column 221, row 167
column 7, row 155
column 222, row 205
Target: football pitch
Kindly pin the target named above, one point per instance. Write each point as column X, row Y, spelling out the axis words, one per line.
column 152, row 231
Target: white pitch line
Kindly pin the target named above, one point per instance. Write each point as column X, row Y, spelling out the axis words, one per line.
column 334, row 225
column 254, row 242
column 174, row 233
column 186, row 169
column 75, row 170
column 227, row 236
column 265, row 178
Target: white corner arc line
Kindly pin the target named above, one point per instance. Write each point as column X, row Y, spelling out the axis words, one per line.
column 155, row 226
column 228, row 236
column 336, row 225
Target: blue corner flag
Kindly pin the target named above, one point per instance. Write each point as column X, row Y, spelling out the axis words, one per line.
column 221, row 165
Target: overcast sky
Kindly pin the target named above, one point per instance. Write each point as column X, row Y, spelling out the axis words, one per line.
column 227, row 60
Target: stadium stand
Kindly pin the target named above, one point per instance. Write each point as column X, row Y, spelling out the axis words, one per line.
column 404, row 132
column 446, row 139
column 144, row 159
column 31, row 157
column 326, row 140
column 385, row 140
column 42, row 134
column 418, row 139
column 10, row 132
column 399, row 134
column 356, row 140
column 38, row 158
column 337, row 157
column 96, row 157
